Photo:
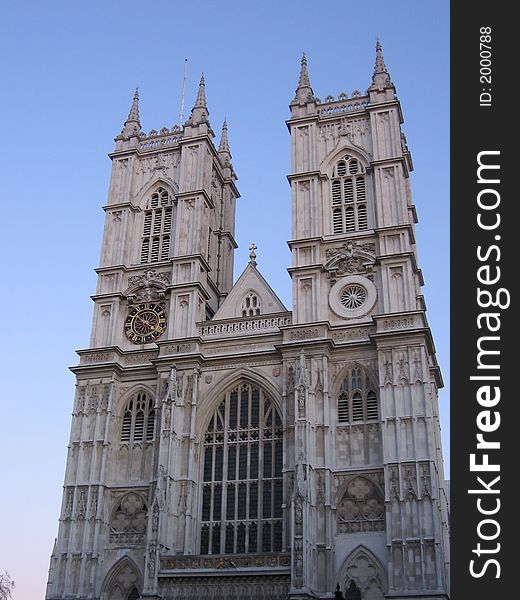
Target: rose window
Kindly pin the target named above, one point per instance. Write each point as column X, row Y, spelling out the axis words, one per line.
column 353, row 296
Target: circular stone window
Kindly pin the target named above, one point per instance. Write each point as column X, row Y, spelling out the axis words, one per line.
column 352, row 296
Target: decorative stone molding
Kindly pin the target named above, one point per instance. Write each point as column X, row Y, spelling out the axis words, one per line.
column 237, row 327
column 353, row 334
column 225, row 587
column 128, row 521
column 149, row 286
column 225, row 561
column 361, row 507
column 365, row 570
column 350, row 258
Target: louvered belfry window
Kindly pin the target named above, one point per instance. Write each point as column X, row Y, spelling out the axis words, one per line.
column 242, row 475
column 138, row 419
column 157, row 228
column 349, row 199
column 357, row 399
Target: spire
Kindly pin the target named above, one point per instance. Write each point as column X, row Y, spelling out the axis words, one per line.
column 381, row 77
column 132, row 125
column 224, row 142
column 304, row 91
column 201, row 96
column 380, row 66
column 199, row 112
column 304, row 74
column 133, row 115
column 224, row 153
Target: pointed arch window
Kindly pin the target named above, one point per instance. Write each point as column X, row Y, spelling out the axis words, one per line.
column 357, row 399
column 138, row 419
column 242, row 475
column 349, row 199
column 134, row 594
column 157, row 227
column 251, row 305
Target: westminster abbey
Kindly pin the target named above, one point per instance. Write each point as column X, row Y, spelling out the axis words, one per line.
column 224, row 447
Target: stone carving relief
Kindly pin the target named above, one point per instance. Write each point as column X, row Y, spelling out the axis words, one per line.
column 361, row 508
column 250, row 587
column 403, row 367
column 121, row 582
column 93, row 396
column 393, row 475
column 388, row 368
column 152, row 557
column 80, row 403
column 128, row 521
column 81, row 506
column 320, row 495
column 354, row 130
column 161, row 488
column 410, row 479
column 155, row 518
column 350, row 258
column 290, row 380
column 164, row 165
column 93, row 502
column 149, row 286
column 303, row 384
column 426, row 480
column 105, row 396
column 69, row 501
column 363, row 568
column 418, row 373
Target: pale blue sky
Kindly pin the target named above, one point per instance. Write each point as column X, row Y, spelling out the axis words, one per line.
column 69, row 70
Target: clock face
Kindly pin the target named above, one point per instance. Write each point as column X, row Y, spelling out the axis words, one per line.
column 145, row 322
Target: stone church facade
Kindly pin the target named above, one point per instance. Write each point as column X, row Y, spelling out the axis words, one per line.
column 223, row 446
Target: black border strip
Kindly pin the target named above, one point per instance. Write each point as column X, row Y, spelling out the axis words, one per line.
column 483, row 123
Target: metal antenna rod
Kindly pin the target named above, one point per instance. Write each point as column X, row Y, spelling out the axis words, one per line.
column 183, row 92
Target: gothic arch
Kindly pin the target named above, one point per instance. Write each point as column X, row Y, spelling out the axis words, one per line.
column 374, row 380
column 128, row 519
column 355, row 151
column 243, row 375
column 121, row 580
column 343, row 488
column 142, row 195
column 240, row 300
column 241, row 472
column 367, row 572
column 130, row 393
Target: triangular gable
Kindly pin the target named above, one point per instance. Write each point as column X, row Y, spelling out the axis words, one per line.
column 251, row 282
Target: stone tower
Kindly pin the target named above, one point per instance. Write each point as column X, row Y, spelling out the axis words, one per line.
column 366, row 425
column 223, row 446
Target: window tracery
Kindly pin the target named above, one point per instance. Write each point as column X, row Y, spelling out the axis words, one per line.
column 128, row 522
column 138, row 419
column 361, row 508
column 157, row 227
column 357, row 399
column 349, row 199
column 251, row 305
column 242, row 475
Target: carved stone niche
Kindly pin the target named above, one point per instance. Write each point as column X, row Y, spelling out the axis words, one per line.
column 350, row 258
column 147, row 287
